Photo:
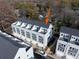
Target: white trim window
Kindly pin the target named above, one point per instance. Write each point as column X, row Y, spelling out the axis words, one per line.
column 72, row 51
column 18, row 57
column 27, row 34
column 61, row 47
column 18, row 30
column 77, row 41
column 41, row 39
column 34, row 37
column 22, row 32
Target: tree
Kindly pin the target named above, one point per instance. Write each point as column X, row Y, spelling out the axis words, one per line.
column 66, row 3
column 75, row 4
column 64, row 22
column 30, row 9
column 57, row 25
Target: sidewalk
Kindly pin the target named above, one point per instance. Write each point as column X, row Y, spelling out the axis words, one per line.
column 54, row 56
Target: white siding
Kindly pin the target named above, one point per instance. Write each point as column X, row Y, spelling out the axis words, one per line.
column 73, row 46
column 60, row 53
column 23, row 54
column 25, row 38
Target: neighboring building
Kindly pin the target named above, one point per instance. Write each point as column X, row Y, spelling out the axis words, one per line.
column 10, row 49
column 68, row 43
column 32, row 31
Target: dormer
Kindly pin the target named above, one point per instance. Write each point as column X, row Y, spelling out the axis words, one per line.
column 23, row 25
column 64, row 35
column 18, row 23
column 29, row 26
column 35, row 28
column 43, row 30
column 75, row 39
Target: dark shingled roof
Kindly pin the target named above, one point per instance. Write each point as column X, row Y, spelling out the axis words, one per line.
column 70, row 31
column 8, row 47
column 33, row 22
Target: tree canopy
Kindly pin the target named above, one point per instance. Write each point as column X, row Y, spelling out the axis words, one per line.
column 66, row 21
column 30, row 9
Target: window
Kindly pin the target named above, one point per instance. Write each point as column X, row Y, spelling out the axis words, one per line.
column 22, row 32
column 73, row 37
column 27, row 34
column 18, row 31
column 77, row 40
column 67, row 36
column 49, row 38
column 61, row 47
column 64, row 36
column 18, row 58
column 34, row 37
column 72, row 51
column 61, row 34
column 13, row 29
column 27, row 55
column 40, row 39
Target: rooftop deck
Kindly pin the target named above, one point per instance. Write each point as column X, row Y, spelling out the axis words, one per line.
column 41, row 28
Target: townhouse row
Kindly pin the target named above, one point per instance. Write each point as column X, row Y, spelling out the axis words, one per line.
column 32, row 31
column 68, row 43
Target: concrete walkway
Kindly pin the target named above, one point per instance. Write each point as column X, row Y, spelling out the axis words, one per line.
column 54, row 56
